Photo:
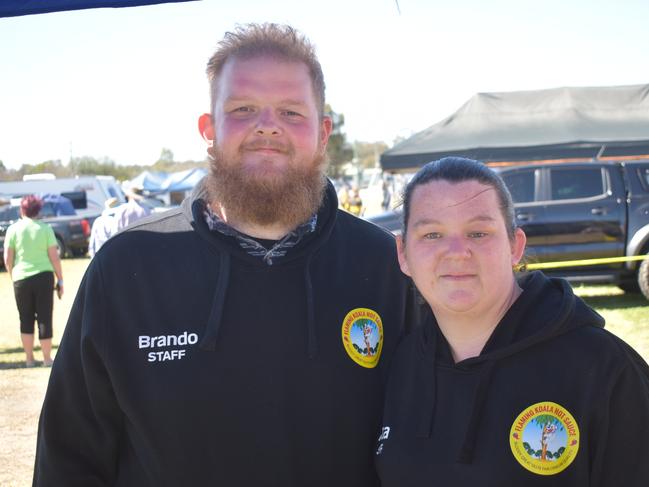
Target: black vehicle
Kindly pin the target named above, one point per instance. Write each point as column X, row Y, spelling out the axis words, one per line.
column 577, row 211
column 72, row 232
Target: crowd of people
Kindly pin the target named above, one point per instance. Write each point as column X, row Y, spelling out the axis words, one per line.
column 259, row 335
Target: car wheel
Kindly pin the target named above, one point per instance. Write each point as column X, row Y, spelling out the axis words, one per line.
column 630, row 287
column 61, row 248
column 643, row 277
column 80, row 252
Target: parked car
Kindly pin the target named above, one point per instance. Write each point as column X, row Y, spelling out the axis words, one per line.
column 97, row 190
column 577, row 211
column 72, row 232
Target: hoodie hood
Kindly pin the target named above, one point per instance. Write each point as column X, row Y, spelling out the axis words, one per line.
column 227, row 249
column 546, row 308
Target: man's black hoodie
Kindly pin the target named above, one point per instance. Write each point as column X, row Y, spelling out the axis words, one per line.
column 188, row 362
column 553, row 399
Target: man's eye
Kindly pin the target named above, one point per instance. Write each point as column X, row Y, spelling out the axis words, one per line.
column 432, row 235
column 291, row 113
column 242, row 109
column 477, row 234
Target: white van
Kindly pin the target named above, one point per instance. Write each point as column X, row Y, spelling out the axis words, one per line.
column 97, row 189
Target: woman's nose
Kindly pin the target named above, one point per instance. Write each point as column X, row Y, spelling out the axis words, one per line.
column 457, row 246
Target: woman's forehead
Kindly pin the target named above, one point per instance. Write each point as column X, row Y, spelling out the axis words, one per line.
column 462, row 197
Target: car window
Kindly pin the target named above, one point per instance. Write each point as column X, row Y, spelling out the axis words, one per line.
column 568, row 184
column 47, row 210
column 520, row 185
column 9, row 213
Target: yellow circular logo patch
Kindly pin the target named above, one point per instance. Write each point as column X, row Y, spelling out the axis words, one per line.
column 544, row 438
column 363, row 336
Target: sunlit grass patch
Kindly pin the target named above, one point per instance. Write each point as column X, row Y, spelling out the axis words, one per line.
column 626, row 314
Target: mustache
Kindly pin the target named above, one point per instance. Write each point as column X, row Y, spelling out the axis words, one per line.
column 266, row 144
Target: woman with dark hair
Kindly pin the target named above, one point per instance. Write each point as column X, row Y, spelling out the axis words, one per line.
column 32, row 259
column 511, row 381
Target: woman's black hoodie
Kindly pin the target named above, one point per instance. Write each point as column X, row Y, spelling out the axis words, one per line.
column 552, row 400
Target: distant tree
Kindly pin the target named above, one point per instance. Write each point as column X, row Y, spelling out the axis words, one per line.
column 165, row 162
column 106, row 167
column 2, row 167
column 398, row 139
column 52, row 166
column 90, row 166
column 339, row 150
column 368, row 153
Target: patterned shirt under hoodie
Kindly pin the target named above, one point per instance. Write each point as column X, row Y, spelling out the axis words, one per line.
column 253, row 246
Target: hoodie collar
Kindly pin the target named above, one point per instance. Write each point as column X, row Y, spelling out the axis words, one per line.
column 251, row 245
column 227, row 248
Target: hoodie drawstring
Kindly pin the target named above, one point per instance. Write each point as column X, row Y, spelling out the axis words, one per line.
column 216, row 312
column 466, row 451
column 312, row 338
column 428, row 400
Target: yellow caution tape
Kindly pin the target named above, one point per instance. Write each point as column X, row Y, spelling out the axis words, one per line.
column 573, row 263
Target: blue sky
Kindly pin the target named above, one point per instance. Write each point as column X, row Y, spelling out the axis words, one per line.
column 124, row 83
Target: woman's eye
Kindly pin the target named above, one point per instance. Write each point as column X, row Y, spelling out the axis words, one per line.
column 477, row 234
column 432, row 236
column 291, row 113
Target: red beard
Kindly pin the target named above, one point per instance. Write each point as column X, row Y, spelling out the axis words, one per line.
column 287, row 198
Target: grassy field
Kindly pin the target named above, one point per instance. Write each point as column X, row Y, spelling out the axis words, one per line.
column 22, row 390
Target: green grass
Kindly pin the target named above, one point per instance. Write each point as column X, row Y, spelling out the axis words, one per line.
column 626, row 315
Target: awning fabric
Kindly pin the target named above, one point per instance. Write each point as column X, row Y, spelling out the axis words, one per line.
column 533, row 125
column 161, row 182
column 13, row 8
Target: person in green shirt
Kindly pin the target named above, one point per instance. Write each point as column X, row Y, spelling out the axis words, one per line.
column 31, row 259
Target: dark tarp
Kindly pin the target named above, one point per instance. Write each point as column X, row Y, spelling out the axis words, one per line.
column 12, row 8
column 557, row 123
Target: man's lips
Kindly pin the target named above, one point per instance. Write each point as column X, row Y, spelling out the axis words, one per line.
column 266, row 148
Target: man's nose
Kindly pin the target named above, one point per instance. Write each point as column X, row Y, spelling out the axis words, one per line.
column 267, row 123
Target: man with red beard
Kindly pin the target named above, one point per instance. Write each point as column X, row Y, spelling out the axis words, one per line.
column 244, row 338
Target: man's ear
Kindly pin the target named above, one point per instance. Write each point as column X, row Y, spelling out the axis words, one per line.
column 401, row 254
column 206, row 128
column 326, row 126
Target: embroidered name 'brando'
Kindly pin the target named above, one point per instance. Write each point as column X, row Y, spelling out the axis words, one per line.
column 166, row 341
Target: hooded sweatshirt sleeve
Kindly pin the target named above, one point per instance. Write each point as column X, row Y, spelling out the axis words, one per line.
column 80, row 423
column 622, row 446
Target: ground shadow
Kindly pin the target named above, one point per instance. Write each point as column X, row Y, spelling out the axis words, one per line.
column 616, row 301
column 20, row 365
column 6, row 351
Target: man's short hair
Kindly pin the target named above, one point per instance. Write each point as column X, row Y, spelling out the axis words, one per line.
column 282, row 42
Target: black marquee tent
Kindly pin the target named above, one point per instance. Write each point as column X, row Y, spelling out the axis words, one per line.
column 559, row 123
column 13, row 8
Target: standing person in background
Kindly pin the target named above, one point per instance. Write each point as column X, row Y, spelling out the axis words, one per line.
column 102, row 227
column 132, row 210
column 31, row 259
column 115, row 218
column 512, row 382
column 242, row 339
